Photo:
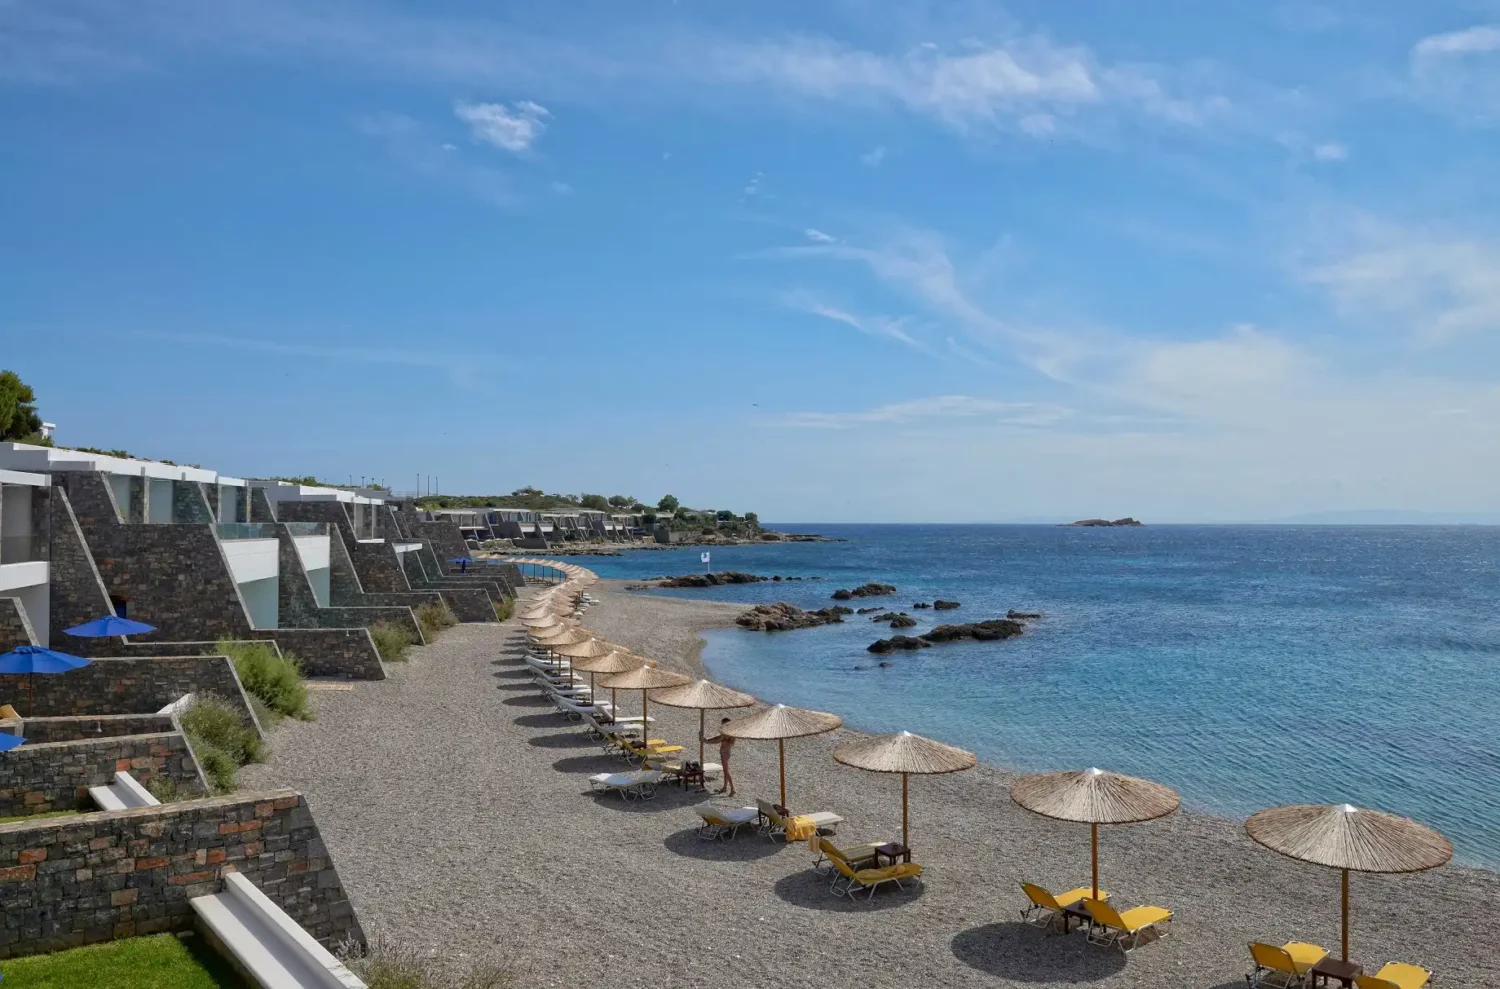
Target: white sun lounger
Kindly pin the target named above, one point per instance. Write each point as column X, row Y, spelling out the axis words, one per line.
column 577, row 711
column 639, row 785
column 723, row 823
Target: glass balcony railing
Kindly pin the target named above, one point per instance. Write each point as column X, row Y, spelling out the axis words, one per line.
column 307, row 528
column 30, row 548
column 245, row 530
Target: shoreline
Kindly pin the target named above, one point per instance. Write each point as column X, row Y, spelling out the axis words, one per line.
column 716, row 615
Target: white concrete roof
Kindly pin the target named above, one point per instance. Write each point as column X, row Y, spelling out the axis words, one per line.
column 283, row 491
column 21, row 477
column 48, row 459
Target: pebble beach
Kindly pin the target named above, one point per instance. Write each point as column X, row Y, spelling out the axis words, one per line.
column 455, row 804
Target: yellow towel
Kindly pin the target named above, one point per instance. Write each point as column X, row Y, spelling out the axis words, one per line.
column 800, row 827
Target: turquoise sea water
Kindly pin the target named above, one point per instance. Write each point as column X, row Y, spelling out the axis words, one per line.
column 1246, row 666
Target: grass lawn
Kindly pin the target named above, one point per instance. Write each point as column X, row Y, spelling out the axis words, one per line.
column 160, row 961
column 39, row 817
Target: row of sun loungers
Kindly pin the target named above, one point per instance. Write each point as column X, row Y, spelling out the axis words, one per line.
column 1292, row 966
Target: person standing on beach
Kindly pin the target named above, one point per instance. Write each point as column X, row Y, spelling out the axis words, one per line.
column 726, row 746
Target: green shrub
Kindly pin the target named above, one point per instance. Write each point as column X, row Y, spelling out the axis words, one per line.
column 221, row 739
column 435, row 616
column 168, row 790
column 504, row 609
column 385, row 963
column 391, row 641
column 276, row 680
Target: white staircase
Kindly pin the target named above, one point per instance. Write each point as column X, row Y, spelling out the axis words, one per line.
column 125, row 792
column 269, row 946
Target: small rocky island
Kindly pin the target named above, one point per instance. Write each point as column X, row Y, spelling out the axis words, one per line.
column 783, row 617
column 712, row 579
column 896, row 619
column 1125, row 522
column 986, row 631
column 870, row 590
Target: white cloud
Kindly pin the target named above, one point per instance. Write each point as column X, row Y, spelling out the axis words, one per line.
column 875, row 326
column 1459, row 72
column 513, row 130
column 562, row 188
column 819, row 237
column 1485, row 38
column 752, row 188
column 1331, row 151
column 409, row 144
column 949, row 407
column 873, row 157
column 1434, row 286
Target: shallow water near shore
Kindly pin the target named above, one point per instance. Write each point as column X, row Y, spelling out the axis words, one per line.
column 1245, row 665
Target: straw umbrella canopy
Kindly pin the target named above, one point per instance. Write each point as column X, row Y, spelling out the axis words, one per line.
column 1347, row 838
column 1094, row 797
column 549, row 620
column 904, row 753
column 781, row 723
column 645, row 678
column 612, row 662
column 705, row 695
column 590, row 648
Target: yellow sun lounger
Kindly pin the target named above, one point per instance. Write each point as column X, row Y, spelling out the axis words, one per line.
column 1113, row 927
column 848, row 881
column 1283, row 967
column 1045, row 908
column 855, row 857
column 1395, row 975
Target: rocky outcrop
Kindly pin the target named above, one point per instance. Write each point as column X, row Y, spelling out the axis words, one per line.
column 1127, row 521
column 871, row 590
column 865, row 611
column 942, row 605
column 987, row 631
column 782, row 617
column 897, row 619
column 921, row 604
column 711, row 579
column 1023, row 616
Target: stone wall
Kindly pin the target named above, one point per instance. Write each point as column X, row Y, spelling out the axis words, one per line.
column 332, row 652
column 48, row 776
column 378, row 568
column 173, row 575
column 447, row 542
column 260, row 506
column 38, row 730
column 76, row 591
column 15, row 627
column 79, row 880
column 125, row 686
column 190, row 503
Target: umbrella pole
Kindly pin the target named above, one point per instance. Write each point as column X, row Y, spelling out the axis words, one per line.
column 781, row 751
column 904, row 781
column 1345, row 885
column 702, row 727
column 31, row 694
column 645, row 716
column 1094, row 843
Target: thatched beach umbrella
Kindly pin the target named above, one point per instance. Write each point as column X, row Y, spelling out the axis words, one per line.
column 549, row 620
column 781, row 723
column 612, row 662
column 1347, row 838
column 904, row 753
column 645, row 678
column 705, row 695
column 590, row 648
column 1094, row 797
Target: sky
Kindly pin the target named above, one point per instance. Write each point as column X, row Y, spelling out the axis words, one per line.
column 824, row 261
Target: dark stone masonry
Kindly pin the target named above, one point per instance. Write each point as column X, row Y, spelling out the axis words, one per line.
column 77, row 591
column 37, row 778
column 15, row 629
column 38, row 730
column 125, row 686
column 72, row 881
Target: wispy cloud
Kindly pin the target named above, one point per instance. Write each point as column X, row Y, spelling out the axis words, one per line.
column 1459, row 72
column 819, row 237
column 1331, row 151
column 873, row 157
column 410, row 145
column 512, row 129
column 875, row 326
column 1484, row 38
column 941, row 407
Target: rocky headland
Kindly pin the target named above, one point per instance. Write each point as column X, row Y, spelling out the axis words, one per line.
column 1127, row 521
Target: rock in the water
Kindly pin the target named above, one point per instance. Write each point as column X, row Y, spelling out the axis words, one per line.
column 1022, row 616
column 884, row 662
column 781, row 617
column 942, row 605
column 865, row 611
column 870, row 590
column 899, row 642
column 921, row 604
column 712, row 579
column 1127, row 521
column 988, row 631
column 903, row 621
column 837, row 609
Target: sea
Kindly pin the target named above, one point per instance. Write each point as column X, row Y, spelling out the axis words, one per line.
column 1246, row 666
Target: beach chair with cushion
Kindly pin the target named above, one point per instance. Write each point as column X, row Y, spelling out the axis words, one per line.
column 8, row 713
column 1124, row 930
column 775, row 823
column 723, row 823
column 849, row 881
column 677, row 769
column 855, row 857
column 1395, row 975
column 1285, row 967
column 1045, row 909
column 638, row 750
column 639, row 785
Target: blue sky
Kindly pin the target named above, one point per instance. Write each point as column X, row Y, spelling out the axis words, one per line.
column 947, row 261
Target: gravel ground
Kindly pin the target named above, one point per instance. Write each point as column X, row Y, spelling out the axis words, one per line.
column 455, row 806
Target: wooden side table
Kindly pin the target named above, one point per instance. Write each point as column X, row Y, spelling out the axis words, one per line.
column 892, row 850
column 1333, row 968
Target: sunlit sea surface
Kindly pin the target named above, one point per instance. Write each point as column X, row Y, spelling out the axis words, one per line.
column 1247, row 666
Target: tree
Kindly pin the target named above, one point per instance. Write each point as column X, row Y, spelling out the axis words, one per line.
column 649, row 520
column 724, row 515
column 752, row 520
column 18, row 417
column 622, row 501
column 595, row 501
column 668, row 503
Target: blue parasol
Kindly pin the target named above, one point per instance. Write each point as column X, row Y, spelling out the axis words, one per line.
column 8, row 742
column 35, row 659
column 110, row 625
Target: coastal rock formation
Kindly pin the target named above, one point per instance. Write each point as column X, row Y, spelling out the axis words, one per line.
column 899, row 642
column 712, row 579
column 897, row 619
column 986, row 631
column 942, row 605
column 871, row 590
column 865, row 611
column 1127, row 521
column 781, row 617
column 1022, row 616
column 921, row 604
